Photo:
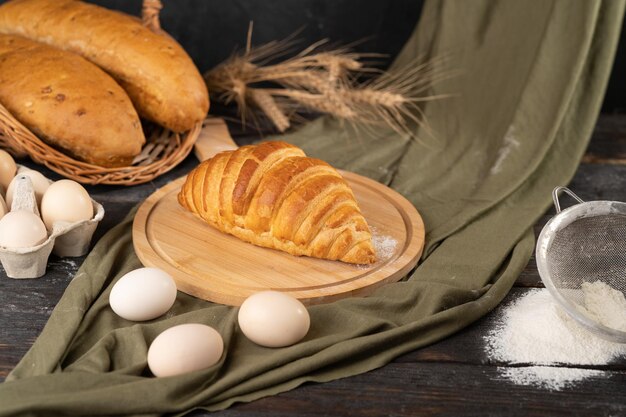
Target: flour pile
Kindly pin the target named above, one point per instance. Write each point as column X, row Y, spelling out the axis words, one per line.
column 534, row 330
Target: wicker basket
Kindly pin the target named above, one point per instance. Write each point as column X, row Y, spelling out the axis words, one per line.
column 163, row 150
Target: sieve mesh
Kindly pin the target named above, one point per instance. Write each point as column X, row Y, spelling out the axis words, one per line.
column 587, row 250
column 581, row 258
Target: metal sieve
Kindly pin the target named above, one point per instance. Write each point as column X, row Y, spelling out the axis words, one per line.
column 584, row 243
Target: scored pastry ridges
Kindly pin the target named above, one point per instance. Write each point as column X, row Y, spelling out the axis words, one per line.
column 273, row 195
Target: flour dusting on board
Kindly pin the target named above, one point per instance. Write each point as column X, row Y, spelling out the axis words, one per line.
column 385, row 246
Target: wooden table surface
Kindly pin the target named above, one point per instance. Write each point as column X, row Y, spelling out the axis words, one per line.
column 451, row 378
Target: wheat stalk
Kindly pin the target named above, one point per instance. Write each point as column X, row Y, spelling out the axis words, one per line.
column 325, row 82
column 264, row 100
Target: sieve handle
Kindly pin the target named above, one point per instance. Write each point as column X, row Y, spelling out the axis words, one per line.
column 555, row 197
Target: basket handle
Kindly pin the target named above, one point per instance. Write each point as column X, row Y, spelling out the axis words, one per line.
column 555, row 197
column 150, row 14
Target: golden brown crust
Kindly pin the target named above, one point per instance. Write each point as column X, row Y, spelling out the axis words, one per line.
column 272, row 195
column 158, row 75
column 69, row 102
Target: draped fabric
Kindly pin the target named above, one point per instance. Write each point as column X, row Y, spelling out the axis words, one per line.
column 531, row 80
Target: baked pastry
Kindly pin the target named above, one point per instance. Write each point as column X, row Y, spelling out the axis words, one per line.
column 273, row 195
column 158, row 75
column 68, row 102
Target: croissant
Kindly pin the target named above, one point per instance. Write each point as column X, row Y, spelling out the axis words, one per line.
column 273, row 195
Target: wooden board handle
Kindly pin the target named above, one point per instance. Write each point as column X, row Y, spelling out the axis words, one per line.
column 213, row 139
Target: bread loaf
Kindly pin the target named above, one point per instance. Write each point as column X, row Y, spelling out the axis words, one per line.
column 273, row 195
column 160, row 78
column 68, row 102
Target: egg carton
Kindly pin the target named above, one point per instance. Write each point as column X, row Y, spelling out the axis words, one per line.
column 65, row 240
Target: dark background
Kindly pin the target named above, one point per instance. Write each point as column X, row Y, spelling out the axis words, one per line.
column 211, row 30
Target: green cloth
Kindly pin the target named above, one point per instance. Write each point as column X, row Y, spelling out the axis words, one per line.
column 532, row 80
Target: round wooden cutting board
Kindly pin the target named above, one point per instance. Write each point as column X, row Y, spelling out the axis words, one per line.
column 214, row 266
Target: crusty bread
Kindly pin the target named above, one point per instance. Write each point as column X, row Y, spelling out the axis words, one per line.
column 69, row 102
column 273, row 195
column 158, row 75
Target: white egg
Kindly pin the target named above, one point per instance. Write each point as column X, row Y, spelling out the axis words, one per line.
column 3, row 207
column 67, row 201
column 143, row 294
column 40, row 185
column 21, row 229
column 7, row 169
column 185, row 348
column 273, row 319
